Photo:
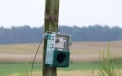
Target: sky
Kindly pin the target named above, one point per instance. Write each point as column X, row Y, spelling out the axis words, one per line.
column 71, row 12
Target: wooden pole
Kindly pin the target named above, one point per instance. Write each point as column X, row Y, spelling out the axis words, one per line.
column 50, row 24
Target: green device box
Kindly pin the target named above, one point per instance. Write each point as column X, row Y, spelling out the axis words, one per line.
column 58, row 58
column 57, row 51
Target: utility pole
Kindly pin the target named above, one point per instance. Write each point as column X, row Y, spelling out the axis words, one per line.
column 50, row 24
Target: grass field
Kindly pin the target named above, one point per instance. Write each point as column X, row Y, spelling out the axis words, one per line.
column 16, row 59
column 80, row 51
column 17, row 68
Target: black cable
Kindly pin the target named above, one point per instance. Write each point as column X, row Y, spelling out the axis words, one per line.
column 35, row 57
column 38, row 50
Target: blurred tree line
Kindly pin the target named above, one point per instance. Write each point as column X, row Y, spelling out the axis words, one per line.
column 26, row 34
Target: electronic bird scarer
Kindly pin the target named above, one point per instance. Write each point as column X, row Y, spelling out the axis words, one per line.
column 57, row 51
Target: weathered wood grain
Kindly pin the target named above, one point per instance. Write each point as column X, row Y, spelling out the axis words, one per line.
column 50, row 24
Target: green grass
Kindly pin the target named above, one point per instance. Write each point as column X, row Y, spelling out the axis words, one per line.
column 82, row 66
column 17, row 68
column 7, row 69
column 109, row 67
column 77, row 49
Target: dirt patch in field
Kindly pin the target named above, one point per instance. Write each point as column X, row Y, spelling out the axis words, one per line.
column 80, row 51
column 19, row 58
column 69, row 73
column 29, row 58
column 84, row 58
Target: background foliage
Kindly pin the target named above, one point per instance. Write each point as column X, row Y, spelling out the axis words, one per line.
column 26, row 34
